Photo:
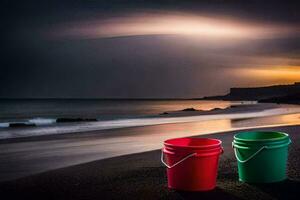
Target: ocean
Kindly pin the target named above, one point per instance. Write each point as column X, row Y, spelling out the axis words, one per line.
column 21, row 110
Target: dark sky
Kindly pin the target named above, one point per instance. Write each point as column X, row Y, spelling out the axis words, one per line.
column 146, row 49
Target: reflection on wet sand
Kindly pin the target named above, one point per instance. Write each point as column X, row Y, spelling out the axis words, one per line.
column 263, row 121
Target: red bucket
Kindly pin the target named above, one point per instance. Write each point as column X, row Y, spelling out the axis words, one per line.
column 192, row 163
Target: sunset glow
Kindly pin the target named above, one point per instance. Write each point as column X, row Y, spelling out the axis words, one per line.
column 274, row 75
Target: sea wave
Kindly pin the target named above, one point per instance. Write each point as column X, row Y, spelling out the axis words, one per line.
column 42, row 121
column 4, row 124
column 61, row 128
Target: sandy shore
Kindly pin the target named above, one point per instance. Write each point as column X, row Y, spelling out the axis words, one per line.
column 20, row 157
column 142, row 176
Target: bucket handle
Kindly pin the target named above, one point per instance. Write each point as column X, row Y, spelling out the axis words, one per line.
column 250, row 157
column 180, row 161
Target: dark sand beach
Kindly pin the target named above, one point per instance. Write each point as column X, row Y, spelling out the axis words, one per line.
column 142, row 176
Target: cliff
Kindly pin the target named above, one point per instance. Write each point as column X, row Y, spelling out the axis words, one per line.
column 278, row 92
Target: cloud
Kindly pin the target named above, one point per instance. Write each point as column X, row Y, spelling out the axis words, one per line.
column 172, row 23
column 78, row 53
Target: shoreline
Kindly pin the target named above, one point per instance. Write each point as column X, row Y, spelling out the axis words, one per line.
column 231, row 113
column 106, row 132
column 142, row 176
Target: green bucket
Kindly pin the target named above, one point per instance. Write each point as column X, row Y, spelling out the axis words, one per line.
column 262, row 156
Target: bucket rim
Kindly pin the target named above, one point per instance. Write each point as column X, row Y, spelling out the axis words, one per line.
column 218, row 144
column 285, row 136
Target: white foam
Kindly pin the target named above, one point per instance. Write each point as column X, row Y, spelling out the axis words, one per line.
column 4, row 124
column 42, row 121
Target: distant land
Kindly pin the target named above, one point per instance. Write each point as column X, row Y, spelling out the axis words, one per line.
column 276, row 94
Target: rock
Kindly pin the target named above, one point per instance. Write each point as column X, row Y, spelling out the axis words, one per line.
column 189, row 109
column 20, row 125
column 164, row 113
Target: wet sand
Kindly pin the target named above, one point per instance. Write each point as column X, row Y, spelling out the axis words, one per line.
column 142, row 176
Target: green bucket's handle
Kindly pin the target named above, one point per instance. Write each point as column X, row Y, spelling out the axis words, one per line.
column 250, row 157
column 257, row 152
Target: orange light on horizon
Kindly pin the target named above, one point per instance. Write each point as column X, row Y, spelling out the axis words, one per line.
column 272, row 75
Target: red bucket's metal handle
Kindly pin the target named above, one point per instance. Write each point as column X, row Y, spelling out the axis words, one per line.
column 177, row 163
column 183, row 159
